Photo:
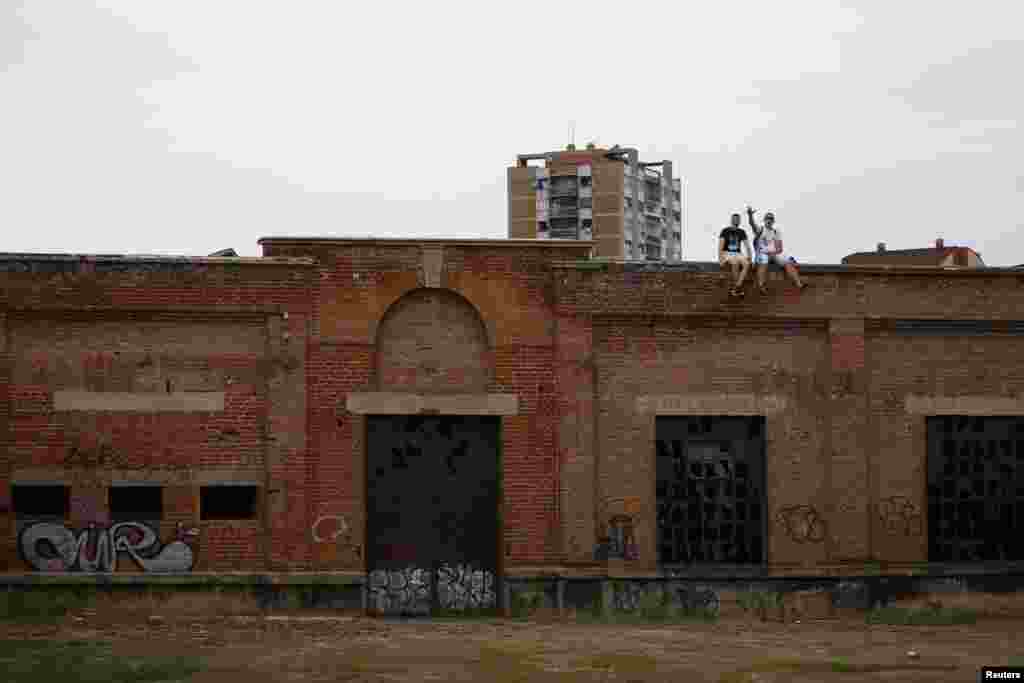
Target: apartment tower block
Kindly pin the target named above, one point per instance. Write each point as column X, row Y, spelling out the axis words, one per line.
column 631, row 209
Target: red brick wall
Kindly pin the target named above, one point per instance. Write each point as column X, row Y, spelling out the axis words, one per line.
column 578, row 347
column 154, row 326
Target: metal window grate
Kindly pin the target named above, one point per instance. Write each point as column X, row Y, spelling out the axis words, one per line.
column 975, row 488
column 710, row 490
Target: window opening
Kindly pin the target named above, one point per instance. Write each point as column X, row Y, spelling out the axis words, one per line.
column 228, row 502
column 135, row 503
column 41, row 500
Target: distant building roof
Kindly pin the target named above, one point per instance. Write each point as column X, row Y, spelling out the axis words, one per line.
column 929, row 256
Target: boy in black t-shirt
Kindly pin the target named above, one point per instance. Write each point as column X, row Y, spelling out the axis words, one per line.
column 734, row 251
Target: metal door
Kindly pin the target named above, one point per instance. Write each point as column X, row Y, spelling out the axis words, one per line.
column 432, row 513
column 710, row 490
column 975, row 490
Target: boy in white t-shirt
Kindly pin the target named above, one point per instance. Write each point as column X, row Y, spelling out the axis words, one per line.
column 768, row 249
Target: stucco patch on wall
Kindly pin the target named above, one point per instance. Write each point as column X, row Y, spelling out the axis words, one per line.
column 710, row 404
column 186, row 402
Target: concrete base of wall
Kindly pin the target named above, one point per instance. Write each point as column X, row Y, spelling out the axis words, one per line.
column 772, row 598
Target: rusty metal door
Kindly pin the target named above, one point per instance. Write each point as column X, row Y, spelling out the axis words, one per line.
column 432, row 513
column 975, row 490
column 710, row 490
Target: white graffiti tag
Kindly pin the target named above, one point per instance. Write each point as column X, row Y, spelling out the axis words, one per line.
column 340, row 532
column 53, row 547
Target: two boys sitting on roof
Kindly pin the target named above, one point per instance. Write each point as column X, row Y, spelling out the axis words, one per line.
column 734, row 251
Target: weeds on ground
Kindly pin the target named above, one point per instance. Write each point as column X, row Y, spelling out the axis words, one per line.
column 509, row 662
column 653, row 609
column 524, row 603
column 923, row 616
column 468, row 613
column 39, row 606
column 759, row 602
column 840, row 665
column 46, row 661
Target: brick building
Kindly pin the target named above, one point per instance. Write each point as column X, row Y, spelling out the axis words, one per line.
column 511, row 408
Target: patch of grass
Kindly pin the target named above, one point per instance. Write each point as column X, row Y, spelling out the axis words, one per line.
column 619, row 663
column 666, row 614
column 840, row 665
column 923, row 616
column 759, row 602
column 525, row 603
column 509, row 662
column 785, row 665
column 46, row 661
column 40, row 606
column 468, row 613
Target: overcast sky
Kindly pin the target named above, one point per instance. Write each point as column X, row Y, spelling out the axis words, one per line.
column 138, row 126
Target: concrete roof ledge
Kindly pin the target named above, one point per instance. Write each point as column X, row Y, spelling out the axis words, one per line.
column 144, row 258
column 821, row 268
column 419, row 241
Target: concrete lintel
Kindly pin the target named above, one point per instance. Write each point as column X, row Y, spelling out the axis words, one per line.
column 182, row 402
column 394, row 403
column 964, row 405
column 710, row 404
column 847, row 326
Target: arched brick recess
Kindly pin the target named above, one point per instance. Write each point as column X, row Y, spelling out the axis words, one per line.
column 433, row 341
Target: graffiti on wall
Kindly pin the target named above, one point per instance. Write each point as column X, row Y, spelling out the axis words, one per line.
column 802, row 523
column 51, row 547
column 900, row 515
column 630, row 597
column 409, row 590
column 620, row 542
column 334, row 529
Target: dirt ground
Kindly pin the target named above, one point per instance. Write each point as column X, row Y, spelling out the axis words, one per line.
column 329, row 647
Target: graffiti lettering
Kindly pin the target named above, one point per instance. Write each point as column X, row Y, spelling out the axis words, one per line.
column 322, row 533
column 53, row 547
column 408, row 590
column 620, row 542
column 802, row 523
column 340, row 529
column 900, row 515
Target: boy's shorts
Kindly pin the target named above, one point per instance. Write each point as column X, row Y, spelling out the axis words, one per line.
column 727, row 258
column 764, row 259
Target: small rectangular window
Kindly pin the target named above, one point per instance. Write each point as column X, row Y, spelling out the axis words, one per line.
column 586, row 203
column 228, row 501
column 136, row 503
column 31, row 500
column 585, row 181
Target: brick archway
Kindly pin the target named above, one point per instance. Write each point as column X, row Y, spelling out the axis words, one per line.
column 433, row 341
